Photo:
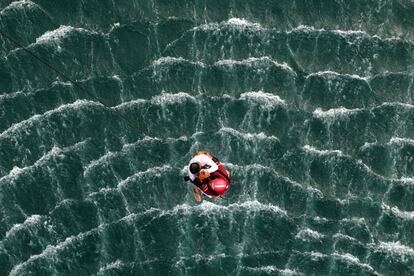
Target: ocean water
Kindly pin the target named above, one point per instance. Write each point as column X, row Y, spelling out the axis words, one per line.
column 309, row 104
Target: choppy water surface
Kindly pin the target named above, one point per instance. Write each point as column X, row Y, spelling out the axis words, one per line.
column 308, row 103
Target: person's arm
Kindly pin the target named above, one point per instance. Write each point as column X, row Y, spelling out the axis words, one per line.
column 197, row 195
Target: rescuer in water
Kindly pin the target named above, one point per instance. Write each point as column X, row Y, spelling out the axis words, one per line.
column 208, row 175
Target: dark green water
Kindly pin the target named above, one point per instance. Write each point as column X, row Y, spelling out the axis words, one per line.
column 309, row 104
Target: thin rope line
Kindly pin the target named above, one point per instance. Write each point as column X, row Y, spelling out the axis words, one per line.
column 65, row 77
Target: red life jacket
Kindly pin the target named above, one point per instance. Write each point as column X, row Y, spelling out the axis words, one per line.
column 218, row 182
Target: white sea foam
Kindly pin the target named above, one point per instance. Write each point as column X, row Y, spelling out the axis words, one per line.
column 125, row 148
column 117, row 78
column 17, row 126
column 254, row 166
column 395, row 248
column 311, row 149
column 154, row 171
column 18, row 5
column 168, row 98
column 112, row 265
column 397, row 212
column 34, row 219
column 167, row 60
column 398, row 104
column 261, row 168
column 199, row 257
column 253, row 61
column 289, row 272
column 233, row 23
column 367, row 145
column 204, row 207
column 351, row 259
column 367, row 169
column 303, row 29
column 341, row 236
column 246, row 136
column 334, row 113
column 407, row 180
column 174, row 60
column 332, row 74
column 103, row 191
column 258, row 206
column 401, row 141
column 270, row 269
column 55, row 37
column 320, row 219
column 357, row 220
column 266, row 269
column 54, row 249
column 265, row 99
column 61, row 83
column 50, row 250
column 114, row 26
column 14, row 95
column 348, row 257
column 347, row 34
column 99, row 161
column 161, row 99
column 312, row 190
column 16, row 171
column 343, row 33
column 131, row 103
column 20, row 125
column 316, row 255
column 308, row 235
column 209, row 207
column 350, row 32
column 241, row 22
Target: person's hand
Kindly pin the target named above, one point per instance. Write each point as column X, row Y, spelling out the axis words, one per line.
column 203, row 174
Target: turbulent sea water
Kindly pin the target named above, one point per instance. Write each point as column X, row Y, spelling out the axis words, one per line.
column 309, row 104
